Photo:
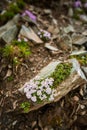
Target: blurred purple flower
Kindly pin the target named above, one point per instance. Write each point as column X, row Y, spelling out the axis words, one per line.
column 85, row 5
column 30, row 14
column 77, row 4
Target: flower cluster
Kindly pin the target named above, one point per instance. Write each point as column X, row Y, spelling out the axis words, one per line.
column 78, row 4
column 44, row 35
column 30, row 14
column 38, row 90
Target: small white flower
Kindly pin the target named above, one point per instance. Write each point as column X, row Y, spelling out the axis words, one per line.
column 54, row 92
column 19, row 39
column 28, row 95
column 51, row 98
column 48, row 90
column 44, row 96
column 26, row 89
column 33, row 98
column 32, row 91
column 39, row 92
column 25, row 39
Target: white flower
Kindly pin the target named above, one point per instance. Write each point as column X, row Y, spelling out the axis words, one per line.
column 19, row 39
column 33, row 98
column 54, row 92
column 51, row 98
column 48, row 90
column 26, row 89
column 28, row 95
column 32, row 91
column 39, row 92
column 25, row 39
column 44, row 96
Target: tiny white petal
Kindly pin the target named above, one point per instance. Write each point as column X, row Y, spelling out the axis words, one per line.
column 48, row 90
column 28, row 95
column 33, row 98
column 39, row 92
column 25, row 39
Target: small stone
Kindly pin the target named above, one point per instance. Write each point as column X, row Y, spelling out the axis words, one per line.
column 30, row 34
column 31, row 59
column 50, row 47
column 75, row 98
column 10, row 34
column 83, row 18
column 70, row 12
column 83, row 112
column 82, row 106
column 47, row 11
column 69, row 29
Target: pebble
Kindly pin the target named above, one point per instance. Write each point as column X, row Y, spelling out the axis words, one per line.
column 75, row 98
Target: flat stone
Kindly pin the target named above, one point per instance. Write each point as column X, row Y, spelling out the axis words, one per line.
column 65, row 43
column 69, row 29
column 10, row 24
column 30, row 34
column 50, row 47
column 78, row 53
column 10, row 34
column 78, row 39
column 47, row 11
column 9, row 31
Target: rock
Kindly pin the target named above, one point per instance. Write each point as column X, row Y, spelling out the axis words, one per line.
column 53, row 30
column 9, row 72
column 69, row 29
column 84, row 70
column 84, row 33
column 9, row 31
column 47, row 11
column 27, row 19
column 78, row 39
column 46, row 71
column 83, row 18
column 74, row 80
column 10, row 23
column 10, row 34
column 78, row 53
column 30, row 34
column 50, row 47
column 76, row 99
column 65, row 43
column 76, row 66
column 70, row 12
column 54, row 21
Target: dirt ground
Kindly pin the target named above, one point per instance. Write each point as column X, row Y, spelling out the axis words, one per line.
column 67, row 114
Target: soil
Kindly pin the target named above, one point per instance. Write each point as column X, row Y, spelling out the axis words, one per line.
column 63, row 115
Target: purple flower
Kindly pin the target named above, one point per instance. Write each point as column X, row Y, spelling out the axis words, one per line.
column 77, row 4
column 30, row 14
column 85, row 5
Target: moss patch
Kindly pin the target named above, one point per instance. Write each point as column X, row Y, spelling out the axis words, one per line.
column 12, row 9
column 16, row 51
column 81, row 59
column 61, row 72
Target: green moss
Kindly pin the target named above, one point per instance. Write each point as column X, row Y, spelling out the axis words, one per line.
column 10, row 78
column 14, row 8
column 82, row 59
column 8, row 51
column 16, row 51
column 20, row 4
column 61, row 72
column 6, row 16
column 24, row 48
column 25, row 106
